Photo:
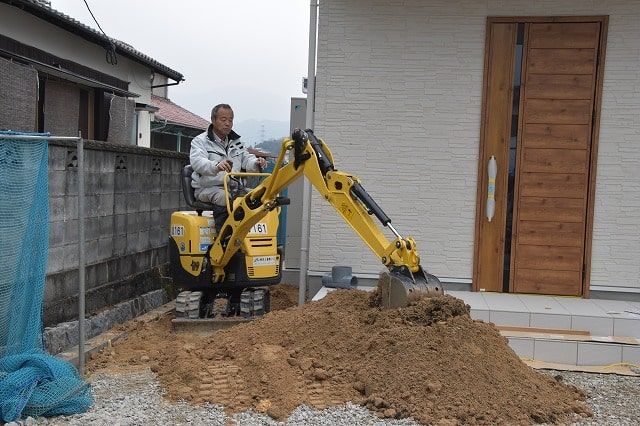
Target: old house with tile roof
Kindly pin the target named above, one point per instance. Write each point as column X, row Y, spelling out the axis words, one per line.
column 172, row 126
column 61, row 76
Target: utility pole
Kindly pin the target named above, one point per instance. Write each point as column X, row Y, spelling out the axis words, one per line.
column 306, row 189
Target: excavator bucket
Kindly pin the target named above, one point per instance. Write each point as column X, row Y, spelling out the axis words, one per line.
column 395, row 288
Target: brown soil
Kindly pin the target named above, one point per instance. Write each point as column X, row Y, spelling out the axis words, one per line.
column 430, row 361
column 283, row 296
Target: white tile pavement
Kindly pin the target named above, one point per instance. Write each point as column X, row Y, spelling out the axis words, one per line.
column 603, row 319
column 597, row 316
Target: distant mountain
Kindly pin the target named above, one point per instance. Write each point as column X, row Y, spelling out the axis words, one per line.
column 254, row 132
column 271, row 146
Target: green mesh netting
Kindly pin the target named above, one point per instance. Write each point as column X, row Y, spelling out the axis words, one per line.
column 32, row 383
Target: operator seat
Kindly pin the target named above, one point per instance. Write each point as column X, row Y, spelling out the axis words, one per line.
column 219, row 212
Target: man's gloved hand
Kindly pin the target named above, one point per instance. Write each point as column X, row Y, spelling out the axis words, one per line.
column 225, row 166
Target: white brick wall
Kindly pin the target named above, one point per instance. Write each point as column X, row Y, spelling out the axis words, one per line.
column 399, row 95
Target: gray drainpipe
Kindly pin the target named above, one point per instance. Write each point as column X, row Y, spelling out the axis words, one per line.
column 306, row 193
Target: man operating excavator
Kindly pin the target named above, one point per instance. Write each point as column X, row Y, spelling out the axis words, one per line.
column 231, row 265
column 215, row 153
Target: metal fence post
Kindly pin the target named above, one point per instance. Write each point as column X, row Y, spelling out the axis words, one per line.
column 81, row 259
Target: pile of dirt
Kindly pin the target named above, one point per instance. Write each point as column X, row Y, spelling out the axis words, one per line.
column 283, row 296
column 429, row 361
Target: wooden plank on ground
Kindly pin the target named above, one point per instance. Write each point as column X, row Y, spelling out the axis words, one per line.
column 622, row 369
column 564, row 334
column 525, row 331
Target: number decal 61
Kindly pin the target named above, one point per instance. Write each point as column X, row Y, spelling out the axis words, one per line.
column 177, row 231
column 259, row 228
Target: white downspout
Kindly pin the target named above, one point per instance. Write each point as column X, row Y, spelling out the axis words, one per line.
column 306, row 189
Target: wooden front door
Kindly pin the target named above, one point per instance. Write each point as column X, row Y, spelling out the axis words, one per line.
column 538, row 240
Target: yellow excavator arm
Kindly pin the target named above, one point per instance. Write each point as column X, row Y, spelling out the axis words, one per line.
column 313, row 159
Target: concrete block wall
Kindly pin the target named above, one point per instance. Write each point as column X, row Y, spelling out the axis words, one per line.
column 130, row 193
column 398, row 100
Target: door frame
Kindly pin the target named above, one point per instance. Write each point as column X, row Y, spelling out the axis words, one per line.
column 595, row 133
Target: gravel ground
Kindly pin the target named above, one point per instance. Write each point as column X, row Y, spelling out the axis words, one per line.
column 615, row 400
column 136, row 399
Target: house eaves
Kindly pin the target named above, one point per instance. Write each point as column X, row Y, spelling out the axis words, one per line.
column 67, row 23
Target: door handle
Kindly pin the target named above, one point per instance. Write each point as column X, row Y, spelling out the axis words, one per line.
column 492, row 171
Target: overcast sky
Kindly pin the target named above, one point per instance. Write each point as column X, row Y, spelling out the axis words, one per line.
column 251, row 54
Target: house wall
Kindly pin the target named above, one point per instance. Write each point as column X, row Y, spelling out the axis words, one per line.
column 398, row 99
column 28, row 29
column 160, row 91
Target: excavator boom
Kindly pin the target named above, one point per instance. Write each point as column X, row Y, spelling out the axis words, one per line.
column 313, row 159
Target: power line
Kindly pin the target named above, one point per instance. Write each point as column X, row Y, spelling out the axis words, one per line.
column 111, row 51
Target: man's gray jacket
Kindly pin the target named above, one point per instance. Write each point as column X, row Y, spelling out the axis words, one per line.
column 206, row 154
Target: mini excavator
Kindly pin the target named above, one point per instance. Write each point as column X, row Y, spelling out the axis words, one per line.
column 225, row 269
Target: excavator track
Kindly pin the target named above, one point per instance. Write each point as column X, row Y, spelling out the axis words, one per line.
column 197, row 313
column 254, row 302
column 188, row 304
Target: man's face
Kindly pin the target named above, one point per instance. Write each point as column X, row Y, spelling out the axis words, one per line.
column 223, row 122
